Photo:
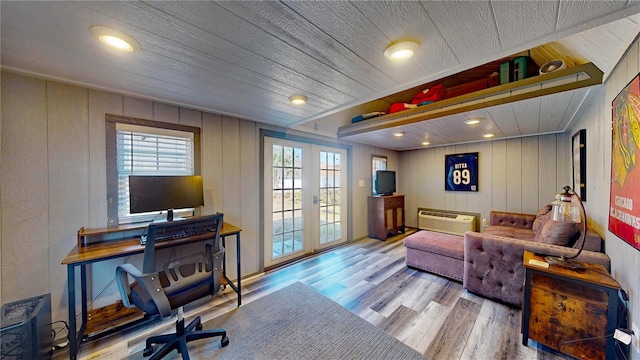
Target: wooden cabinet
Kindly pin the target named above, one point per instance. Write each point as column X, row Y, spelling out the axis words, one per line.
column 561, row 305
column 385, row 216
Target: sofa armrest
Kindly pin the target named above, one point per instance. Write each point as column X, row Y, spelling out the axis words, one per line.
column 592, row 242
column 502, row 218
column 493, row 264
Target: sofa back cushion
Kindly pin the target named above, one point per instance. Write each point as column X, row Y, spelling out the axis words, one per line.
column 511, row 232
column 502, row 218
column 543, row 215
column 558, row 233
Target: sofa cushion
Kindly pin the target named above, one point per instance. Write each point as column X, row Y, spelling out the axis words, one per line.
column 558, row 233
column 502, row 218
column 436, row 252
column 543, row 215
column 435, row 242
column 511, row 232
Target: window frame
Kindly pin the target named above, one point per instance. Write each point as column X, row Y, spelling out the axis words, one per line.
column 376, row 158
column 111, row 122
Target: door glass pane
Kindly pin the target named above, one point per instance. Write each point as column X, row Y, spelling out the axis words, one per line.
column 287, row 200
column 277, row 155
column 277, row 245
column 330, row 226
column 297, row 240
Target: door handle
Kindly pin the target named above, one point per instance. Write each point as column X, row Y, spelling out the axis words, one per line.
column 315, row 200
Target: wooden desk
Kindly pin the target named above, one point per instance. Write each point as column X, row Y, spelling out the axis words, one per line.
column 120, row 242
column 561, row 305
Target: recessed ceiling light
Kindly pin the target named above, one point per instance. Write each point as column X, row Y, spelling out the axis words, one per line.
column 487, row 135
column 115, row 39
column 471, row 121
column 401, row 50
column 425, row 143
column 398, row 134
column 298, row 99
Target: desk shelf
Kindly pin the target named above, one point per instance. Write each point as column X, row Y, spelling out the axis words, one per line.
column 110, row 318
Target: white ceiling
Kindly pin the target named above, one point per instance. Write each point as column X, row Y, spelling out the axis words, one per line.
column 245, row 58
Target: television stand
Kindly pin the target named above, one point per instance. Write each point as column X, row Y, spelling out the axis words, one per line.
column 385, row 216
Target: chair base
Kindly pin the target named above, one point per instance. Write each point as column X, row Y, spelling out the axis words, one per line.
column 179, row 339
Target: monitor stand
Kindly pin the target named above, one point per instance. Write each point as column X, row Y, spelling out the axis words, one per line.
column 169, row 217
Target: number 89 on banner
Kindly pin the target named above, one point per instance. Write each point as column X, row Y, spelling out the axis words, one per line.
column 461, row 172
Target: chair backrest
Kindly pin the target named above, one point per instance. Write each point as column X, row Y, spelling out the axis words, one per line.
column 180, row 280
column 203, row 225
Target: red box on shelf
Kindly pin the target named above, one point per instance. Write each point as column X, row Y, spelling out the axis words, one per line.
column 472, row 86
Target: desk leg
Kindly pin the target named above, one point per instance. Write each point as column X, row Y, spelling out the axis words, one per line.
column 71, row 298
column 238, row 265
column 83, row 290
column 526, row 299
column 75, row 334
column 224, row 267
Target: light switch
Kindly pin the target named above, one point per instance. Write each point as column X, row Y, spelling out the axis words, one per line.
column 361, row 183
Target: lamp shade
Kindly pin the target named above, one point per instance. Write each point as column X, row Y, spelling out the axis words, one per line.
column 566, row 208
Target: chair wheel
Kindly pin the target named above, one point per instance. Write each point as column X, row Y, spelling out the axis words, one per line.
column 147, row 351
column 199, row 326
column 225, row 341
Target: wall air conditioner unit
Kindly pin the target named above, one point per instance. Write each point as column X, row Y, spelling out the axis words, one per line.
column 449, row 223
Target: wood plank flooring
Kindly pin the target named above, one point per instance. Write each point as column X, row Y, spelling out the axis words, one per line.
column 429, row 313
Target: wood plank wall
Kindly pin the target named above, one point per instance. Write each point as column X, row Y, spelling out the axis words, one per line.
column 53, row 181
column 625, row 260
column 517, row 175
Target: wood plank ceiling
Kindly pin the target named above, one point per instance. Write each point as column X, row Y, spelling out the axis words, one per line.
column 245, row 58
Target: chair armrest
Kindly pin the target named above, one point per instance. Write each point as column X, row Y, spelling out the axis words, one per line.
column 122, row 279
column 502, row 218
column 149, row 283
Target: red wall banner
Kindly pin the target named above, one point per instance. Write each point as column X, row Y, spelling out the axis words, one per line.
column 624, row 203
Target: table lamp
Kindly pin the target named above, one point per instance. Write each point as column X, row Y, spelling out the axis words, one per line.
column 568, row 207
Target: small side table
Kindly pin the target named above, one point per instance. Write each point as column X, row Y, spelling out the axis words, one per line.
column 561, row 305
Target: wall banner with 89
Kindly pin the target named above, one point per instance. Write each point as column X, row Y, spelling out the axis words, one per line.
column 461, row 172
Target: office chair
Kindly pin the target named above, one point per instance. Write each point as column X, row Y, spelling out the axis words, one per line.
column 179, row 282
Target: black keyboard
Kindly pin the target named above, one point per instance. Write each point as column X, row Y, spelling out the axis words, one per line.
column 174, row 230
column 179, row 233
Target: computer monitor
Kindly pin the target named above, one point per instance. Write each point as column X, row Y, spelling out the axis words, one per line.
column 160, row 193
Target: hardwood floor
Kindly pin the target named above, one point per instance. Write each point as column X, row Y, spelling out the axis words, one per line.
column 431, row 314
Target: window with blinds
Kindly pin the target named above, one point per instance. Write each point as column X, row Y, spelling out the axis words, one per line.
column 377, row 163
column 142, row 150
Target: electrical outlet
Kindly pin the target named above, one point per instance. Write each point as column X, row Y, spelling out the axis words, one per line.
column 636, row 337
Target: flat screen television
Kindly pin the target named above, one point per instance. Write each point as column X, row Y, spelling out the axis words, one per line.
column 160, row 193
column 385, row 182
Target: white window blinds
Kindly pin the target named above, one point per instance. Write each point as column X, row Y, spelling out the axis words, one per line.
column 142, row 150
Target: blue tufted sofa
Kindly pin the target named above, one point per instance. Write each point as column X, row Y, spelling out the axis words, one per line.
column 493, row 259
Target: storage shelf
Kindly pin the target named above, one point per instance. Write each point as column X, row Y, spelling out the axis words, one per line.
column 558, row 81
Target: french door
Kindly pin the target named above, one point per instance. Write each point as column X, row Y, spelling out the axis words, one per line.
column 305, row 198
